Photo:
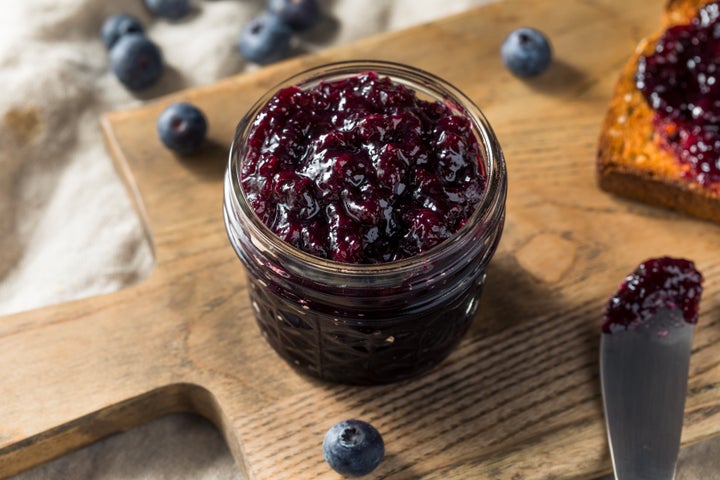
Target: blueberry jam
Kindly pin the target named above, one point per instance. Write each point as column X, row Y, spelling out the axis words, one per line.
column 656, row 284
column 681, row 81
column 343, row 186
column 360, row 170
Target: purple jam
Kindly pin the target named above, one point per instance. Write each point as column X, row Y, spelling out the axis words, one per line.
column 659, row 283
column 680, row 80
column 360, row 170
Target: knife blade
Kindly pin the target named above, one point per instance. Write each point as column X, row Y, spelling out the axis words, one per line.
column 644, row 375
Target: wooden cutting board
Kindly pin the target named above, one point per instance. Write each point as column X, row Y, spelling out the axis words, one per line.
column 520, row 398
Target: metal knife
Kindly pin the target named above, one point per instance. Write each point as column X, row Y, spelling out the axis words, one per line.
column 644, row 375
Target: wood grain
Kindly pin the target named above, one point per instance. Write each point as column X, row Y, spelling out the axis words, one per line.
column 520, row 397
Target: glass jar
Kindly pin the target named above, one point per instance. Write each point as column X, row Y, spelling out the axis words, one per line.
column 359, row 323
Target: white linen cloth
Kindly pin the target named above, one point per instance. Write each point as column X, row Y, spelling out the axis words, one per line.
column 67, row 228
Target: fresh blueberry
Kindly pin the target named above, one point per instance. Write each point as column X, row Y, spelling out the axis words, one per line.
column 182, row 127
column 298, row 14
column 353, row 448
column 116, row 26
column 136, row 61
column 526, row 52
column 265, row 39
column 173, row 9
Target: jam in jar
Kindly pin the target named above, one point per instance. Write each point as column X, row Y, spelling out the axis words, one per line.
column 365, row 200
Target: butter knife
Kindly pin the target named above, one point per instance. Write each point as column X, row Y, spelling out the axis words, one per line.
column 644, row 363
column 644, row 377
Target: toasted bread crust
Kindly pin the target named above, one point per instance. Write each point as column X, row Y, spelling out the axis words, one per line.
column 631, row 160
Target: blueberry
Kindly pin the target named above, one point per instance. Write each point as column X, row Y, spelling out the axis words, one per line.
column 173, row 9
column 116, row 26
column 353, row 448
column 526, row 52
column 298, row 14
column 182, row 127
column 136, row 61
column 265, row 39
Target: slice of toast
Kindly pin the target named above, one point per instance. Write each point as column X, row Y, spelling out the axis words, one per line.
column 631, row 160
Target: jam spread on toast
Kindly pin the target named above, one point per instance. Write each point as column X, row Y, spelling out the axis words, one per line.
column 680, row 79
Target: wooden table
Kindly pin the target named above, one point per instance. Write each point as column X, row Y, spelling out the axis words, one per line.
column 519, row 399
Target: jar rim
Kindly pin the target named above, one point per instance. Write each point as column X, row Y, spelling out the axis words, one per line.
column 490, row 205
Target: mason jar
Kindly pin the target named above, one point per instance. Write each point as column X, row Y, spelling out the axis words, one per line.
column 368, row 323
